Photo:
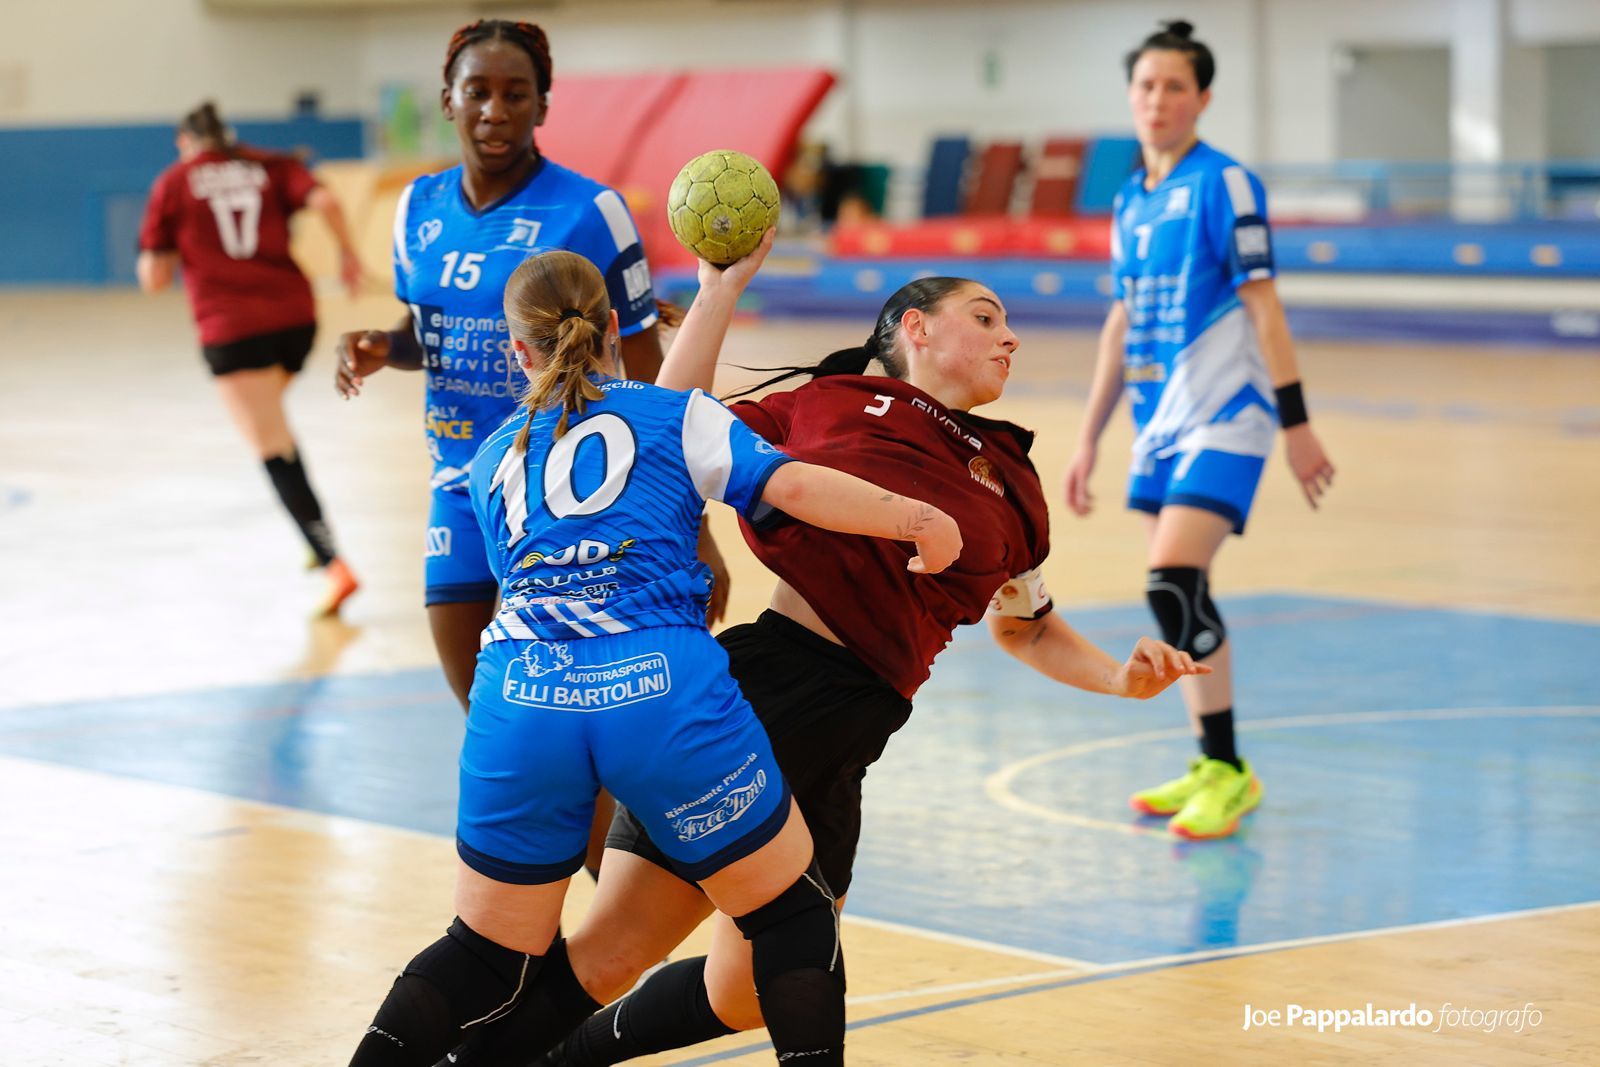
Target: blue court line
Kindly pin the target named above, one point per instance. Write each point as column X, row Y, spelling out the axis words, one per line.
column 1113, row 972
column 932, row 1009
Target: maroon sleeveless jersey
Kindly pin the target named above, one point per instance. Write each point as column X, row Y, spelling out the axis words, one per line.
column 889, row 432
column 228, row 220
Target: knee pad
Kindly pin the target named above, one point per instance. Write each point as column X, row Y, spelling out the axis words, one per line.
column 799, row 971
column 482, row 979
column 1180, row 599
column 460, row 979
column 796, row 930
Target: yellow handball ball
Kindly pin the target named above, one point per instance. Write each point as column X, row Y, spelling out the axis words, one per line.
column 720, row 205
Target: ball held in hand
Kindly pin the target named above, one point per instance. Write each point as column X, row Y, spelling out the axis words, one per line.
column 721, row 204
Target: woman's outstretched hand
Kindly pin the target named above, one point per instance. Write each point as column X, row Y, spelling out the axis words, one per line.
column 1153, row 666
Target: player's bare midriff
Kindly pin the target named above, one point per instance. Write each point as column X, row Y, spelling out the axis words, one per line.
column 785, row 601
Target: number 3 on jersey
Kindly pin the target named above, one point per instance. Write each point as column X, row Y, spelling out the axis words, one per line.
column 461, row 271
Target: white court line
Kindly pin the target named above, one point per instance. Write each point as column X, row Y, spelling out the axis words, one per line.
column 969, row 942
column 998, row 785
column 1098, row 969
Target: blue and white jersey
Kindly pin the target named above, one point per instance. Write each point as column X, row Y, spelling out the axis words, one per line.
column 1193, row 370
column 451, row 265
column 595, row 533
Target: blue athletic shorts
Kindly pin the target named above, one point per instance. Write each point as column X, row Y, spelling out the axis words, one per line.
column 651, row 715
column 455, row 563
column 1222, row 482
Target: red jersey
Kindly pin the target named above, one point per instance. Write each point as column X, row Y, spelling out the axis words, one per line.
column 891, row 433
column 228, row 220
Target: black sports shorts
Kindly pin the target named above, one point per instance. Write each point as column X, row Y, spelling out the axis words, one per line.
column 285, row 348
column 828, row 716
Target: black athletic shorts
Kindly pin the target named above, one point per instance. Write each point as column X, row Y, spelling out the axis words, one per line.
column 285, row 348
column 828, row 716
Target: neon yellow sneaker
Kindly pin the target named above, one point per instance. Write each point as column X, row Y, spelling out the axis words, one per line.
column 1168, row 798
column 1225, row 796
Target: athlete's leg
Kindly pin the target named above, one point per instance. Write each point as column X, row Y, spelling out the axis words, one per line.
column 782, row 942
column 778, row 899
column 486, row 967
column 604, row 809
column 457, row 628
column 527, row 789
column 254, row 400
column 1189, row 537
column 640, row 912
column 1221, row 787
column 523, row 918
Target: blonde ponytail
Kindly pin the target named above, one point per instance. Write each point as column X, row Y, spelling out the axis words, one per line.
column 556, row 304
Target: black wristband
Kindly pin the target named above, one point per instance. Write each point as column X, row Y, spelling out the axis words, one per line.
column 404, row 351
column 1291, row 405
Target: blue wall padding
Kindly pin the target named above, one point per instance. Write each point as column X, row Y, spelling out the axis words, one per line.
column 71, row 197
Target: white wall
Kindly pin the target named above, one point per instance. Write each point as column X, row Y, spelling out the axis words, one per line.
column 74, row 62
column 1394, row 103
column 1573, row 73
column 919, row 65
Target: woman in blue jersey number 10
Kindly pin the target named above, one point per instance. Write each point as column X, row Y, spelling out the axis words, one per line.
column 598, row 670
column 1198, row 341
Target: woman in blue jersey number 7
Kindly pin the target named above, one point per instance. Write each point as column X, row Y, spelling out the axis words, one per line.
column 1198, row 341
column 598, row 670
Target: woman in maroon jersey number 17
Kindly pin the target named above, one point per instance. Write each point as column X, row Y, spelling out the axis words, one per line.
column 832, row 666
column 222, row 212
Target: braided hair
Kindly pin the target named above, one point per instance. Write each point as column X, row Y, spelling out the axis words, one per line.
column 924, row 294
column 1177, row 36
column 525, row 35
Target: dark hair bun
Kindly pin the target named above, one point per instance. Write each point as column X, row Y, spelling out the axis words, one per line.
column 1180, row 28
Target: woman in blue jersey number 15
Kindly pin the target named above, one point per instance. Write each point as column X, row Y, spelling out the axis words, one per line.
column 458, row 235
column 598, row 670
column 1198, row 341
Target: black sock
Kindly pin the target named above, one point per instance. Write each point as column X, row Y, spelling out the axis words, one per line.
column 1216, row 737
column 552, row 1005
column 670, row 1010
column 288, row 476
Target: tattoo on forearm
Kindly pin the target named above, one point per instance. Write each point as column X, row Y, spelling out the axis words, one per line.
column 916, row 524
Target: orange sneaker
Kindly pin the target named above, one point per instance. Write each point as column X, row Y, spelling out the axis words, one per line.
column 341, row 584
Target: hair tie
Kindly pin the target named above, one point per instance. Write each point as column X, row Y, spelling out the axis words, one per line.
column 571, row 313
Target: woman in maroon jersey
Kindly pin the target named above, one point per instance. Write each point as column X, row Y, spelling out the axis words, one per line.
column 831, row 667
column 222, row 213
